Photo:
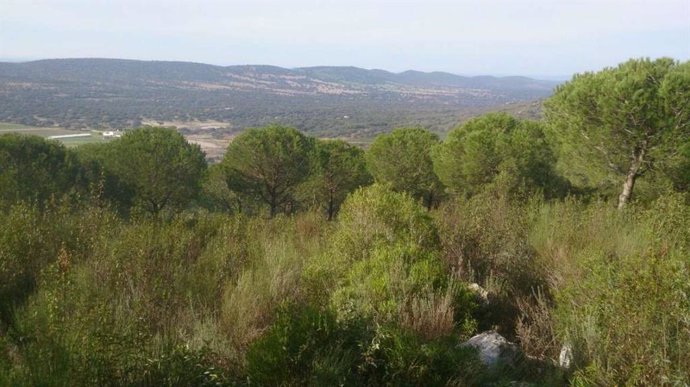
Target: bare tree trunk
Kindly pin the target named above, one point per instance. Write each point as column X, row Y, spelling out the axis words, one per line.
column 633, row 174
column 624, row 197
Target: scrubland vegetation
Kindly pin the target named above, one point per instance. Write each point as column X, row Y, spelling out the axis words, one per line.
column 298, row 261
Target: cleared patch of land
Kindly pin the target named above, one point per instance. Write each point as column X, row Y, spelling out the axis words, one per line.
column 213, row 147
column 212, row 136
column 96, row 137
column 189, row 124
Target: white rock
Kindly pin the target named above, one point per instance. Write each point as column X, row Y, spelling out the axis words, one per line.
column 565, row 359
column 480, row 292
column 494, row 348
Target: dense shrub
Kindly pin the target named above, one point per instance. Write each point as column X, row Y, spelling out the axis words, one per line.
column 308, row 346
column 375, row 215
column 31, row 237
column 485, row 241
column 624, row 308
column 384, row 264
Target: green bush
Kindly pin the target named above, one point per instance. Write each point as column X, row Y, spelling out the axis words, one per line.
column 96, row 320
column 401, row 358
column 31, row 237
column 619, row 280
column 181, row 366
column 383, row 264
column 376, row 215
column 627, row 312
column 485, row 240
column 308, row 346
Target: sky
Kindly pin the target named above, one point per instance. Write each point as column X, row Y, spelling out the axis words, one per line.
column 546, row 38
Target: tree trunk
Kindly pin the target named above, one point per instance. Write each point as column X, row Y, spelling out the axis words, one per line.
column 429, row 200
column 624, row 197
column 633, row 173
column 274, row 206
column 331, row 207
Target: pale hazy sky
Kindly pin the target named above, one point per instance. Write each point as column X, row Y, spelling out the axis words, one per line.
column 501, row 37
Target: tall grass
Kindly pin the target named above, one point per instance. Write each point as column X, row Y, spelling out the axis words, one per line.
column 621, row 289
column 611, row 284
column 378, row 297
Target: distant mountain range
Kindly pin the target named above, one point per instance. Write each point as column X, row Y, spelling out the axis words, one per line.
column 106, row 93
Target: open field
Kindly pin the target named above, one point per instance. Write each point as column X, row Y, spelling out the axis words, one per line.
column 6, row 127
column 213, row 146
column 96, row 137
column 189, row 124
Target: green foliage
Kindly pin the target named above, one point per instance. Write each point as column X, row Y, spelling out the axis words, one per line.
column 181, row 366
column 400, row 358
column 21, row 255
column 376, row 215
column 679, row 168
column 500, row 151
column 307, row 346
column 34, row 169
column 618, row 124
column 151, row 169
column 403, row 160
column 267, row 165
column 97, row 162
column 381, row 285
column 118, row 317
column 31, row 239
column 338, row 169
column 620, row 284
column 384, row 265
column 161, row 167
column 216, row 195
column 485, row 240
column 273, row 276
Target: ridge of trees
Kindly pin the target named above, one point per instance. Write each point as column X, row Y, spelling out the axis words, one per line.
column 601, row 129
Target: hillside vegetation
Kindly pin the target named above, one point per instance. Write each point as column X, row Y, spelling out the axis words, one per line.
column 346, row 102
column 300, row 261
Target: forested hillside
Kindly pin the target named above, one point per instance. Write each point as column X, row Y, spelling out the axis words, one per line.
column 323, row 101
column 546, row 252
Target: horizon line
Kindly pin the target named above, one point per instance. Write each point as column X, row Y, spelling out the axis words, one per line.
column 541, row 77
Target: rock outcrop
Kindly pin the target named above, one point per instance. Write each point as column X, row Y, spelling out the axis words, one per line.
column 495, row 350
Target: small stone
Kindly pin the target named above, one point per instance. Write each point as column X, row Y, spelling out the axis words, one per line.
column 565, row 359
column 481, row 293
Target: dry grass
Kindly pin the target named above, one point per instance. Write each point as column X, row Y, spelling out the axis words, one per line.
column 429, row 315
column 535, row 327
